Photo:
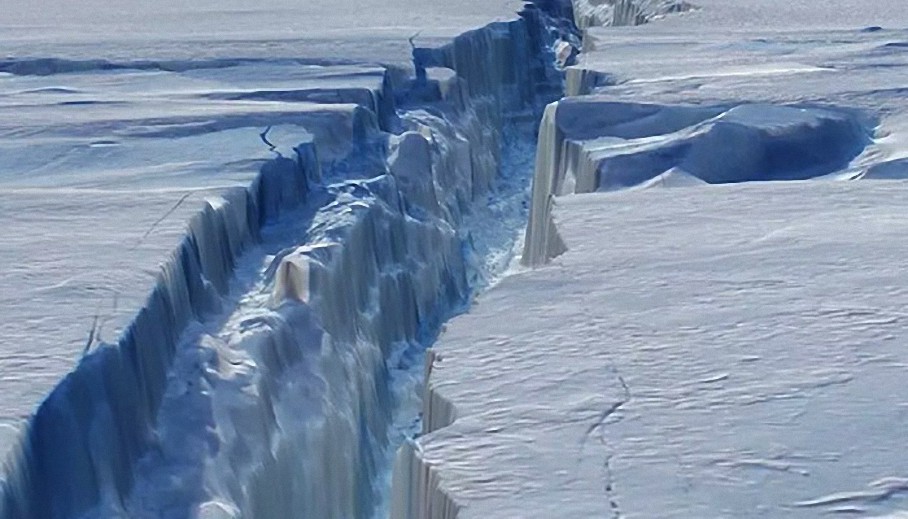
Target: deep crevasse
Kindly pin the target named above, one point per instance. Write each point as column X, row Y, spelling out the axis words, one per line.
column 258, row 380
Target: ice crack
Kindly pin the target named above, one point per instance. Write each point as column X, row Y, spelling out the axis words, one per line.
column 599, row 425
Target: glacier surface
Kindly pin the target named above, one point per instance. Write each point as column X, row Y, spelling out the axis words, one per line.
column 700, row 351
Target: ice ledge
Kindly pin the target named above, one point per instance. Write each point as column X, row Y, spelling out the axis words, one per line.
column 417, row 485
column 592, row 143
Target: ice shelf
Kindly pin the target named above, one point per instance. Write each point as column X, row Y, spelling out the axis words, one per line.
column 228, row 243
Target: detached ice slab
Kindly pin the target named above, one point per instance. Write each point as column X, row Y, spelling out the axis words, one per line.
column 741, row 144
column 720, row 351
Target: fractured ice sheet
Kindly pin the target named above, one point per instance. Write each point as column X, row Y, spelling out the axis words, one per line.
column 185, row 417
column 702, row 351
column 102, row 170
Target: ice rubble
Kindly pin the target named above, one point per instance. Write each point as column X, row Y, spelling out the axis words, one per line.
column 243, row 388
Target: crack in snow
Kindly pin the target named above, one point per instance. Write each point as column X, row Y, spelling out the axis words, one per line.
column 162, row 218
column 599, row 425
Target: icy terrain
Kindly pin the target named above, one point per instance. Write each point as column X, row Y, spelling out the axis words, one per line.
column 225, row 258
column 683, row 347
column 231, row 232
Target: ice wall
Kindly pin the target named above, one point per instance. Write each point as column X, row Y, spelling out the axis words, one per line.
column 614, row 13
column 87, row 435
column 294, row 398
column 416, row 487
column 380, row 286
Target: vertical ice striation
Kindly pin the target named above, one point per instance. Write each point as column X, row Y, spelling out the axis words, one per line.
column 313, row 350
column 82, row 443
column 615, row 13
column 416, row 491
column 542, row 241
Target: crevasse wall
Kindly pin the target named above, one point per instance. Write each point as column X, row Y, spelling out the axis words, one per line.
column 371, row 278
column 416, row 489
column 614, row 13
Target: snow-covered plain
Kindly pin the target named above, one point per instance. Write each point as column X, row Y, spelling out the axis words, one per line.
column 348, row 30
column 717, row 351
column 681, row 349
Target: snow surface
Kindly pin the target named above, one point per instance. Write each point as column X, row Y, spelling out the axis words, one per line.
column 718, row 351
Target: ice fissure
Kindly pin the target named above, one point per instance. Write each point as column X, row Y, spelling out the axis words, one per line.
column 272, row 368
